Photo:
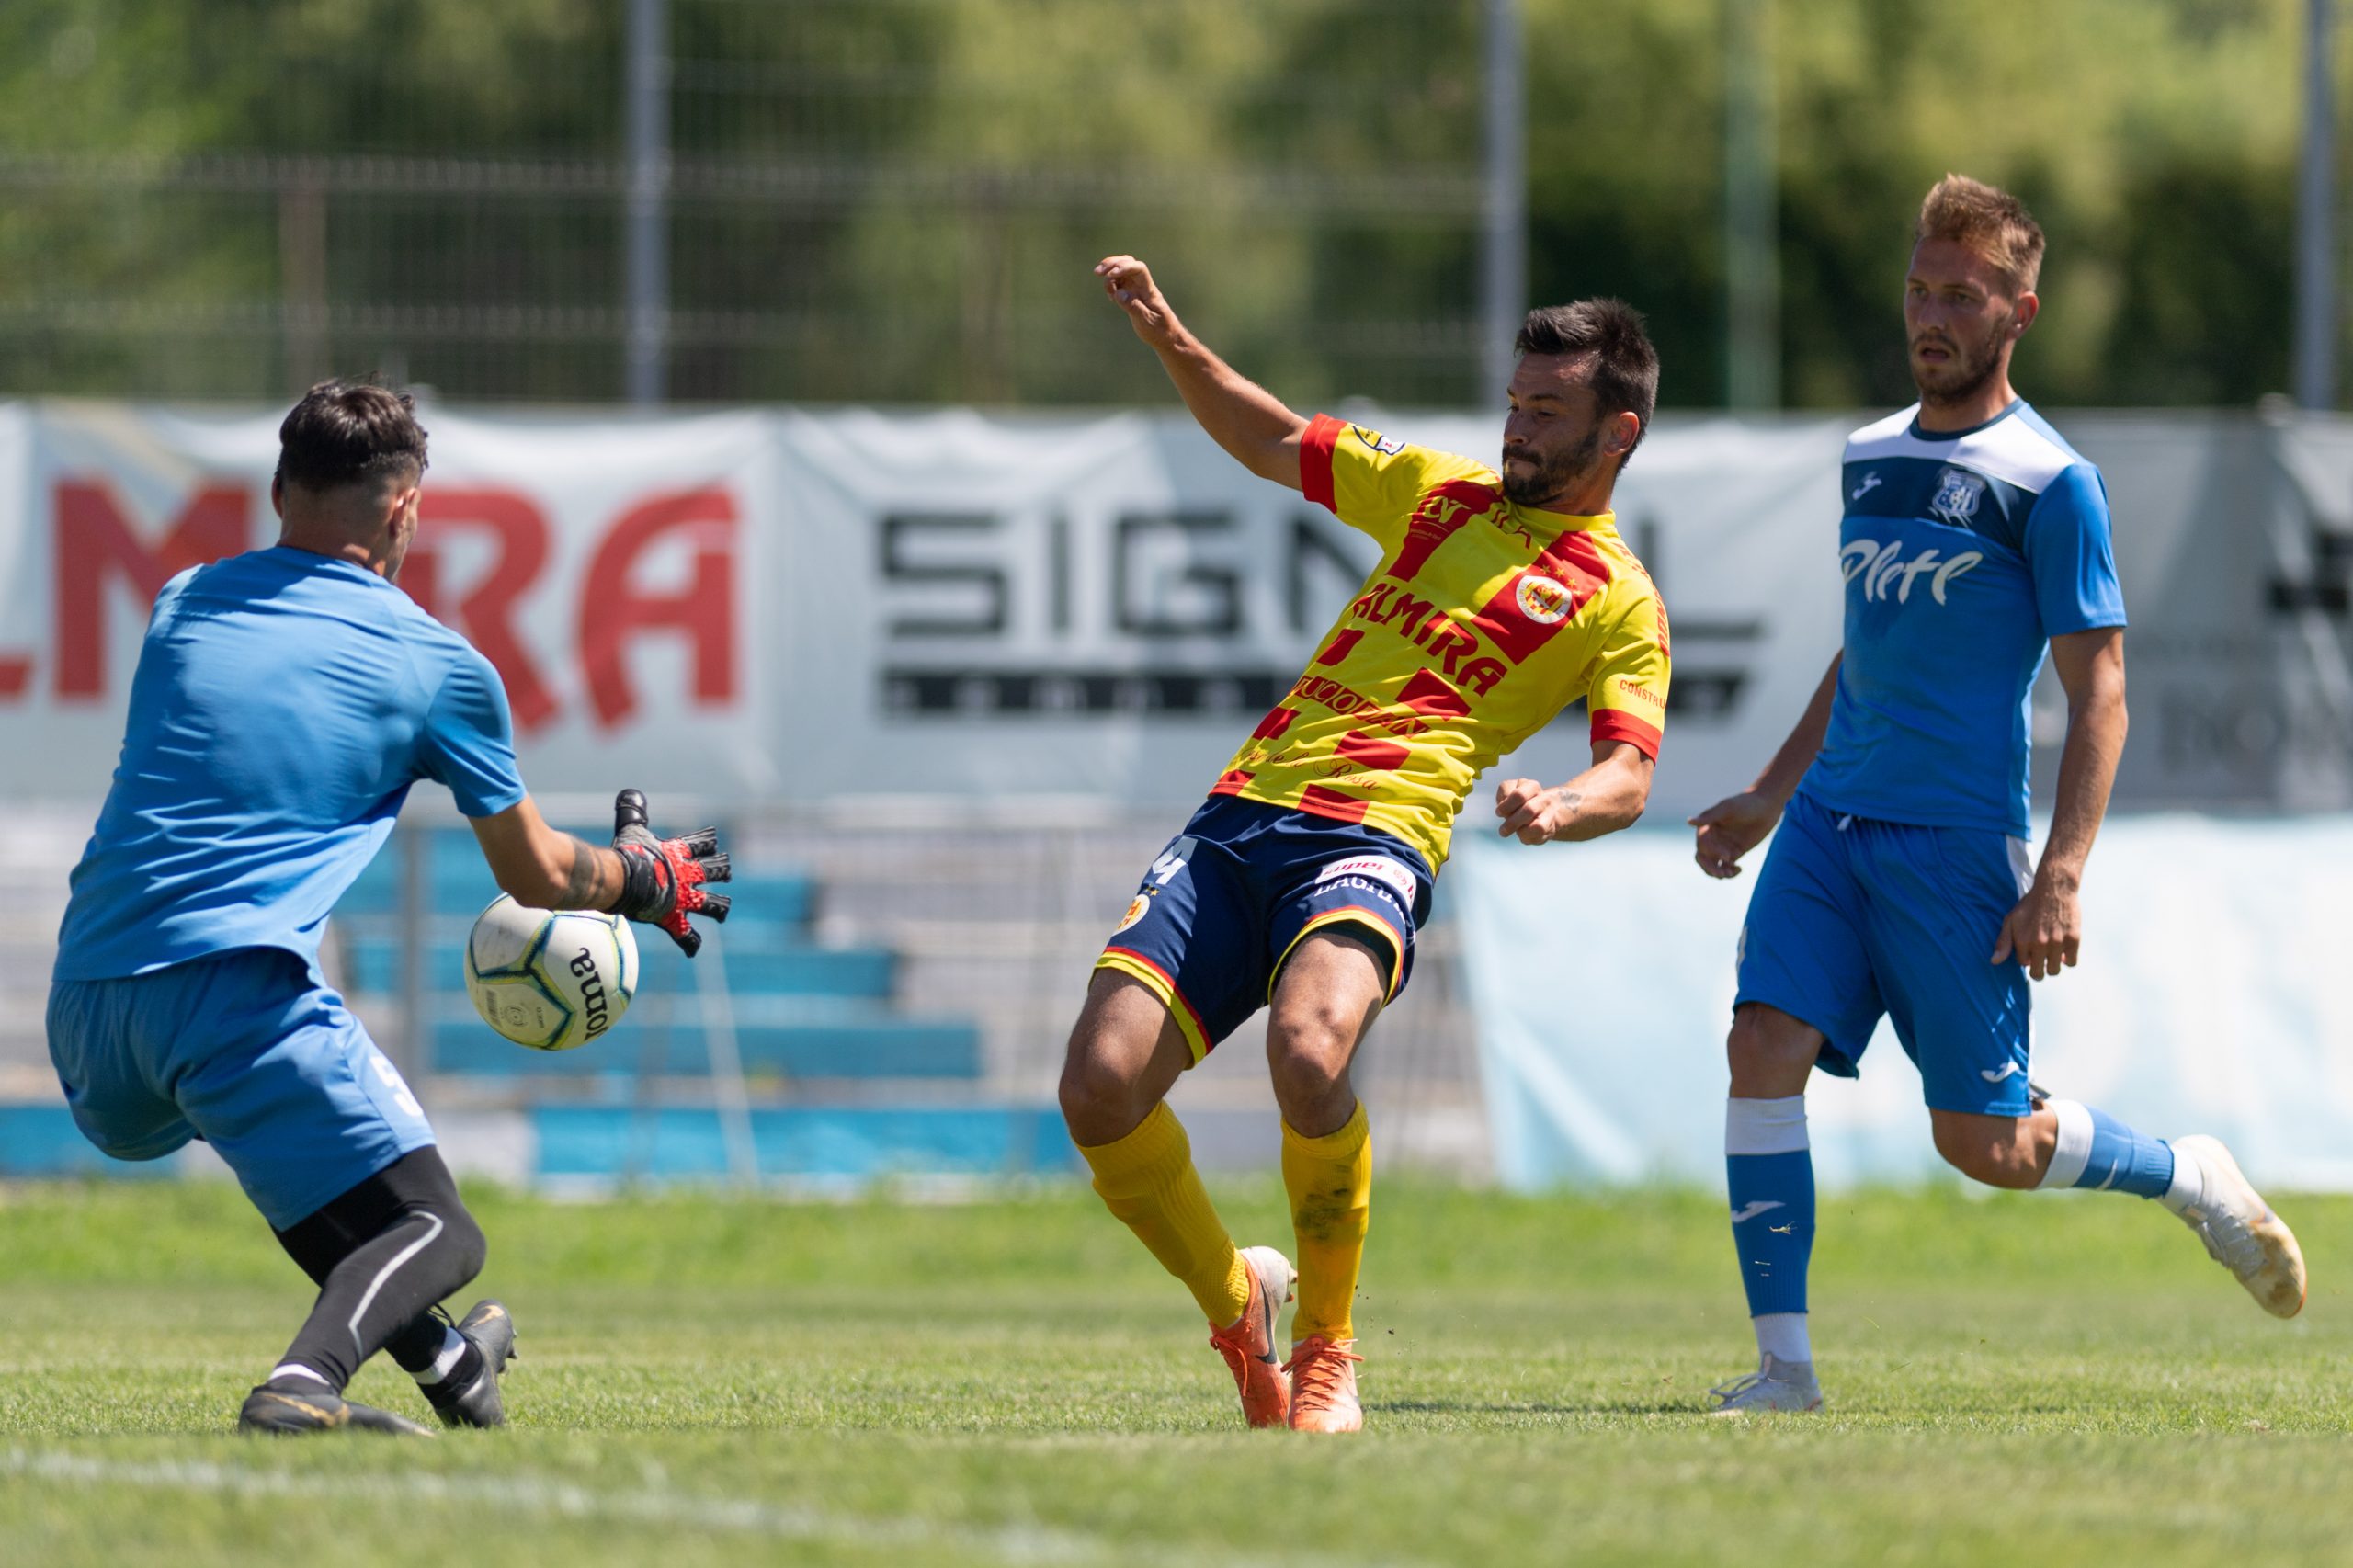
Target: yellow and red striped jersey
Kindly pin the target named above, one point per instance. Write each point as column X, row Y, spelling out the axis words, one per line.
column 1484, row 621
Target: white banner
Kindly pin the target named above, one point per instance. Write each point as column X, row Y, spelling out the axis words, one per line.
column 2208, row 1000
column 813, row 605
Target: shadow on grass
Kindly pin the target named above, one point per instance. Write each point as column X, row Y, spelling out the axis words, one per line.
column 1480, row 1407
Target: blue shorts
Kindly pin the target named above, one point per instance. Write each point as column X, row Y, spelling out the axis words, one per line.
column 247, row 1051
column 1224, row 904
column 1852, row 918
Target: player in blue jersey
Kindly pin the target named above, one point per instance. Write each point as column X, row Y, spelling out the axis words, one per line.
column 1975, row 538
column 285, row 701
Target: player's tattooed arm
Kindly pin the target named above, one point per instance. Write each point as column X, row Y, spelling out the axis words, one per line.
column 543, row 868
column 596, row 878
column 1606, row 797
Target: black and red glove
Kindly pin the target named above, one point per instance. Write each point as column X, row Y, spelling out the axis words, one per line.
column 663, row 877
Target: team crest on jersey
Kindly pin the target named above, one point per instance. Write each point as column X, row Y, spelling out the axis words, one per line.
column 1957, row 497
column 1136, row 910
column 1387, row 446
column 1544, row 601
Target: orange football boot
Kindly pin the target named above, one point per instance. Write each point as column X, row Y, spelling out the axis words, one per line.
column 1248, row 1344
column 1324, row 1385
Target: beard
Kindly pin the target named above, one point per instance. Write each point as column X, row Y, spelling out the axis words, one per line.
column 1964, row 375
column 1553, row 475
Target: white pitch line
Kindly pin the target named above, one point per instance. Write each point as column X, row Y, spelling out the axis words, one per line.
column 549, row 1496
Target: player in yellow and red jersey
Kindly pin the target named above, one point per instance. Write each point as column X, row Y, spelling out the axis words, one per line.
column 1501, row 598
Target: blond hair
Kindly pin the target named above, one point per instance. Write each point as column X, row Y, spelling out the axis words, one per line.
column 1987, row 220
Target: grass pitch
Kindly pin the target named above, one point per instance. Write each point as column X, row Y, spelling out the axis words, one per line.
column 1013, row 1381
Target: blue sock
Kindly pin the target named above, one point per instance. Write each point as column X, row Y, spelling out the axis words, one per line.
column 2096, row 1150
column 1768, row 1173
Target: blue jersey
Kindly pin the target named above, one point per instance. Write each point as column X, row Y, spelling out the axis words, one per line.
column 1965, row 554
column 284, row 703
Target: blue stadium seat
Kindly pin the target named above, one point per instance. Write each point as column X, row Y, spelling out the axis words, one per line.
column 458, row 883
column 837, row 1142
column 851, row 1046
column 372, row 965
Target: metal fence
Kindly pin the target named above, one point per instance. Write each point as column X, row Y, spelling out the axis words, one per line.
column 913, row 965
column 893, row 200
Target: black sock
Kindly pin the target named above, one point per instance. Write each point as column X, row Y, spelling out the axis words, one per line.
column 384, row 1254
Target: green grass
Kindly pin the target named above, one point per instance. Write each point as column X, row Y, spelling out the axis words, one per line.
column 705, row 1382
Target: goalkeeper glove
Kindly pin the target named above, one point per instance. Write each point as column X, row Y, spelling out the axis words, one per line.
column 663, row 879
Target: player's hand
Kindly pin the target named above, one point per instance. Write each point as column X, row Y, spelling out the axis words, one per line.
column 2044, row 932
column 1731, row 828
column 664, row 878
column 1532, row 814
column 1129, row 283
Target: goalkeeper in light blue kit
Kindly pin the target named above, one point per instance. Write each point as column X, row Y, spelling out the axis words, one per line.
column 285, row 701
column 1975, row 538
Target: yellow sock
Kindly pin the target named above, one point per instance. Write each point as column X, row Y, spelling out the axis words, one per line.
column 1330, row 1181
column 1148, row 1180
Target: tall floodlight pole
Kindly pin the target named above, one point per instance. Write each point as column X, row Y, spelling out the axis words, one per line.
column 2316, row 322
column 1503, row 292
column 645, row 259
column 1751, row 267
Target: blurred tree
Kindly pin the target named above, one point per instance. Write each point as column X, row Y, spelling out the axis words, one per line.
column 899, row 199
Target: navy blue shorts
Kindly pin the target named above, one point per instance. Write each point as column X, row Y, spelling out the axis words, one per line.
column 1224, row 904
column 247, row 1049
column 1853, row 918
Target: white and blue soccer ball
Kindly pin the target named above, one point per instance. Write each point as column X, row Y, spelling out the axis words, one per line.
column 550, row 979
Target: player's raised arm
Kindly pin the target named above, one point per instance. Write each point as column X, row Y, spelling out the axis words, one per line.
column 1738, row 823
column 1253, row 424
column 656, row 880
column 1607, row 797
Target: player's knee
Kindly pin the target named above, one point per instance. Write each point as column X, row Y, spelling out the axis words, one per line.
column 465, row 1249
column 1305, row 1079
column 1770, row 1050
column 1095, row 1093
column 1992, row 1157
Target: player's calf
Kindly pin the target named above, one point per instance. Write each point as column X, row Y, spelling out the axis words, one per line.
column 385, row 1254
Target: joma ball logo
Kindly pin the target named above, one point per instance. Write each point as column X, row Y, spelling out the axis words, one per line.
column 592, row 992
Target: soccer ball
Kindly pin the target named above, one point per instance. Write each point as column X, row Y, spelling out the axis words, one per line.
column 550, row 979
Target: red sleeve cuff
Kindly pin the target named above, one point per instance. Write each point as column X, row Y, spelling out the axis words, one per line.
column 1315, row 460
column 1609, row 724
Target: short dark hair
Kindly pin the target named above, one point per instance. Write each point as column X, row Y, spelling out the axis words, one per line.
column 1625, row 374
column 350, row 433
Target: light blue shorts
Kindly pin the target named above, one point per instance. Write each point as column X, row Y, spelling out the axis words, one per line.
column 249, row 1051
column 1854, row 918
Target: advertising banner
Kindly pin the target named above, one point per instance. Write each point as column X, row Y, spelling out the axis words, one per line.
column 819, row 605
column 2207, row 1000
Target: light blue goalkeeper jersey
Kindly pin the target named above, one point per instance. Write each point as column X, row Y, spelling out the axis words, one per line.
column 285, row 701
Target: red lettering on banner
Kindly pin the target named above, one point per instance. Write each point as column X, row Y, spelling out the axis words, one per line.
column 93, row 539
column 613, row 612
column 485, row 616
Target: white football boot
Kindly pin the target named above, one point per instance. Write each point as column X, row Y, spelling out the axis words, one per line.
column 1776, row 1386
column 2239, row 1229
